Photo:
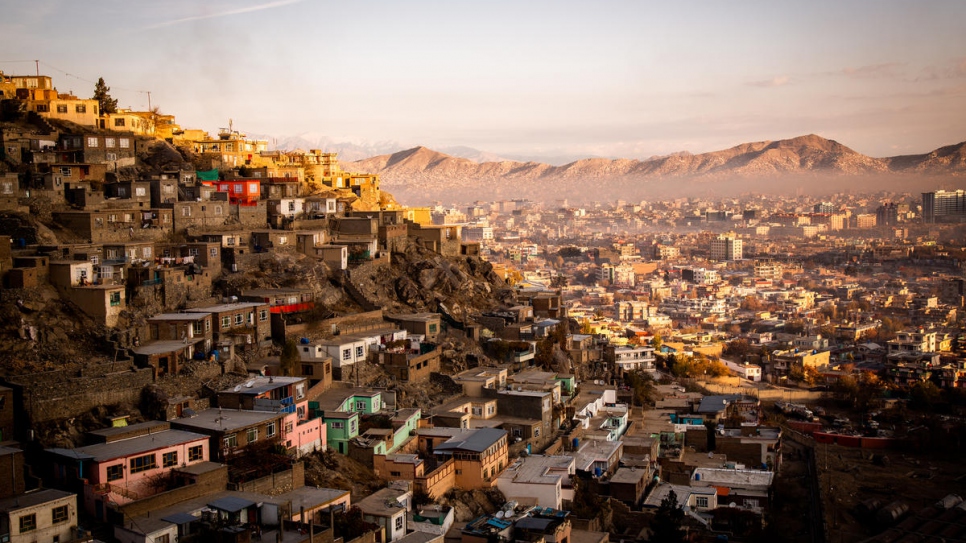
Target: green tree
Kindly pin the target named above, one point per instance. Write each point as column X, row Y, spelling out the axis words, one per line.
column 657, row 341
column 290, row 358
column 667, row 523
column 106, row 104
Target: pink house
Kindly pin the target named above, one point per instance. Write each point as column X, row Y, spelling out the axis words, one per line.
column 302, row 430
column 124, row 467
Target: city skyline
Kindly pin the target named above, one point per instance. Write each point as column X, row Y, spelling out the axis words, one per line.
column 540, row 79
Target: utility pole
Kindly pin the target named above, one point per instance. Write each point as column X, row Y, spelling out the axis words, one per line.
column 149, row 100
column 37, row 65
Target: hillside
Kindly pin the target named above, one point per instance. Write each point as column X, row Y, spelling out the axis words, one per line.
column 421, row 175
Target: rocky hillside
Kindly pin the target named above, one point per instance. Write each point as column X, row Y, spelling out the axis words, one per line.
column 421, row 175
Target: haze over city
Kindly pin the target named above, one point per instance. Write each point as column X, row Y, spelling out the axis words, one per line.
column 538, row 80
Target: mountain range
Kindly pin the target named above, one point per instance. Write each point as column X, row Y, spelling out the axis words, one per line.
column 810, row 163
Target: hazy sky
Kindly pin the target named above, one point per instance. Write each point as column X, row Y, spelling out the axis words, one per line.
column 609, row 78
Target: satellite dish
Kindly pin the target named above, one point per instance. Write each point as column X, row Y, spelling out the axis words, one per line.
column 499, row 514
column 237, row 388
column 250, row 384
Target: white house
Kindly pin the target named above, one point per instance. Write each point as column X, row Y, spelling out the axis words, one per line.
column 387, row 508
column 751, row 372
column 634, row 358
column 345, row 351
column 540, row 480
column 41, row 515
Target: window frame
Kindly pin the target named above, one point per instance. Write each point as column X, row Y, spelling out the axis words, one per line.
column 144, row 462
column 169, row 459
column 196, row 453
column 28, row 523
column 62, row 511
column 114, row 472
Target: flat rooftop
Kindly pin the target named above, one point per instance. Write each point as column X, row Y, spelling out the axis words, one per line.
column 102, row 452
column 227, row 420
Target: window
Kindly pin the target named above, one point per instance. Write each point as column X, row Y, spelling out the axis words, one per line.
column 80, row 108
column 230, row 441
column 263, row 315
column 62, row 108
column 270, row 430
column 338, row 425
column 352, row 425
column 346, row 354
column 111, row 156
column 395, row 473
column 239, row 319
column 213, row 252
column 145, row 252
column 144, row 463
column 196, row 453
column 701, row 501
column 193, row 251
column 432, row 328
column 360, row 406
column 115, row 472
column 197, row 328
column 308, row 370
column 186, row 211
column 360, row 352
column 42, row 108
column 169, row 459
column 226, row 322
column 109, row 142
column 28, row 523
column 139, row 191
column 399, row 522
column 59, row 514
column 118, row 122
column 124, row 143
column 66, row 171
column 92, row 142
column 217, row 210
column 252, row 435
column 115, row 299
column 299, row 391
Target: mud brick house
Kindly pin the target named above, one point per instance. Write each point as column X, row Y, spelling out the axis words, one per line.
column 245, row 324
column 230, row 431
column 428, row 325
column 408, row 366
column 189, row 328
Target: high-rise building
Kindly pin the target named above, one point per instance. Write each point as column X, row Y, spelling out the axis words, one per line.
column 824, row 208
column 943, row 205
column 887, row 214
column 726, row 247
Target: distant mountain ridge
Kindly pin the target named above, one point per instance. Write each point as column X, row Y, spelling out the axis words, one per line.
column 420, row 173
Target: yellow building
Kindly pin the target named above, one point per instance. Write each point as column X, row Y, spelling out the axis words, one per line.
column 67, row 107
column 419, row 215
column 125, row 120
column 232, row 147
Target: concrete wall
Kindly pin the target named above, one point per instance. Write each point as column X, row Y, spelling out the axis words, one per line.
column 57, row 395
column 208, row 483
column 272, row 484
